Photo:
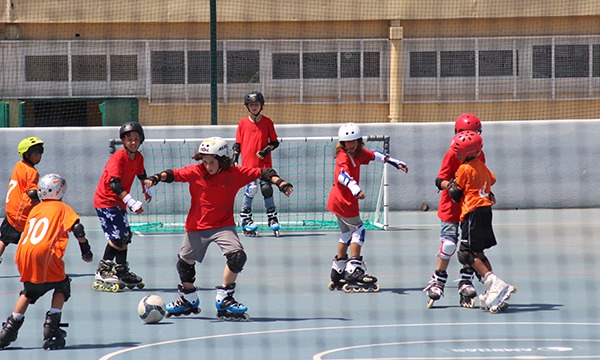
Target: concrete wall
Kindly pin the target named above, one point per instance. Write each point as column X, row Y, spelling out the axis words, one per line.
column 539, row 164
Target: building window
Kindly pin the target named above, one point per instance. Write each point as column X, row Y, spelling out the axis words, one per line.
column 541, row 64
column 371, row 64
column 46, row 68
column 243, row 67
column 123, row 68
column 168, row 67
column 457, row 63
column 199, row 67
column 571, row 61
column 320, row 65
column 350, row 65
column 423, row 64
column 286, row 66
column 496, row 63
column 596, row 60
column 88, row 67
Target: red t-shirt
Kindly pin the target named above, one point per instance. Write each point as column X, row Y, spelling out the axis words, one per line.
column 448, row 210
column 253, row 137
column 121, row 167
column 475, row 180
column 213, row 196
column 341, row 201
column 44, row 241
column 18, row 204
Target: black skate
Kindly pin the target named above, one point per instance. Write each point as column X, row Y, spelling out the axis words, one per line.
column 435, row 287
column 127, row 278
column 466, row 290
column 273, row 222
column 106, row 278
column 337, row 274
column 54, row 336
column 10, row 330
column 357, row 280
column 249, row 227
column 182, row 306
column 228, row 308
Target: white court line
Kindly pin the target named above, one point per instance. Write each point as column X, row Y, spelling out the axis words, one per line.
column 113, row 354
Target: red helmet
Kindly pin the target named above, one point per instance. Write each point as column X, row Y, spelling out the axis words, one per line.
column 467, row 143
column 467, row 122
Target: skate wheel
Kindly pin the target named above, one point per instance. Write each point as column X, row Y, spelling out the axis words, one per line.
column 346, row 288
column 468, row 303
column 245, row 317
column 130, row 287
column 494, row 310
column 95, row 285
column 331, row 286
column 101, row 287
column 357, row 290
column 141, row 285
column 430, row 303
column 376, row 288
column 114, row 288
column 276, row 232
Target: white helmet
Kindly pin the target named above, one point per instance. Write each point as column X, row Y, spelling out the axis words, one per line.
column 52, row 187
column 349, row 132
column 214, row 146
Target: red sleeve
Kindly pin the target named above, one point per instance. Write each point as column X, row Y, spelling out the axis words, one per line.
column 450, row 164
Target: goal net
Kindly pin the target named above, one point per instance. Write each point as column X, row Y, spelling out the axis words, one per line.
column 306, row 162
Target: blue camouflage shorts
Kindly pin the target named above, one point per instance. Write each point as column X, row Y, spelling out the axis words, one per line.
column 115, row 225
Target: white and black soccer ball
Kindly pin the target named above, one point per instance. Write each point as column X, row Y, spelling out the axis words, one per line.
column 152, row 309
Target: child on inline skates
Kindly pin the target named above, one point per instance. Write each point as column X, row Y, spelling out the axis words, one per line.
column 213, row 185
column 472, row 188
column 22, row 191
column 39, row 260
column 111, row 200
column 449, row 215
column 254, row 140
column 349, row 274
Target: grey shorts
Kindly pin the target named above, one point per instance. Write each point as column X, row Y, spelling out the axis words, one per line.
column 196, row 243
column 352, row 230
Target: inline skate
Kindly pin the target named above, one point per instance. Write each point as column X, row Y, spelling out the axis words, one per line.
column 127, row 278
column 187, row 303
column 466, row 290
column 356, row 277
column 249, row 227
column 273, row 221
column 435, row 287
column 54, row 336
column 337, row 273
column 227, row 307
column 10, row 330
column 106, row 278
column 497, row 293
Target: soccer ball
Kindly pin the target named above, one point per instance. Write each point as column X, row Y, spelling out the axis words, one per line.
column 152, row 309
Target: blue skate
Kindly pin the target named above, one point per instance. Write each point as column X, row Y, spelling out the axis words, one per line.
column 273, row 222
column 227, row 307
column 187, row 303
column 248, row 226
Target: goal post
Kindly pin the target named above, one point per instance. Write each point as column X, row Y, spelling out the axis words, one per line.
column 307, row 162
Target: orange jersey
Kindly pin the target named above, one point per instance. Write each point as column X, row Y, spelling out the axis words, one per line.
column 18, row 204
column 475, row 180
column 44, row 241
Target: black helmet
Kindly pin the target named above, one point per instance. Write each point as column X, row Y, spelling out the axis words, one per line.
column 254, row 96
column 132, row 126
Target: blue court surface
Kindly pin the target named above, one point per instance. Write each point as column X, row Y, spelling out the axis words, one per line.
column 550, row 255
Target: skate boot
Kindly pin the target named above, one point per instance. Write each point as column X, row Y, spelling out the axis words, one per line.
column 106, row 278
column 227, row 307
column 54, row 336
column 127, row 278
column 10, row 330
column 248, row 226
column 356, row 277
column 498, row 292
column 337, row 273
column 435, row 287
column 273, row 222
column 187, row 303
column 466, row 290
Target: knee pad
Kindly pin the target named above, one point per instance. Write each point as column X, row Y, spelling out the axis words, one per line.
column 465, row 257
column 346, row 237
column 251, row 189
column 266, row 190
column 236, row 260
column 447, row 249
column 187, row 272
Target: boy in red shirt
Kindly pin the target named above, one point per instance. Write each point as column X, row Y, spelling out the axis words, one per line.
column 213, row 185
column 350, row 274
column 449, row 215
column 111, row 200
column 22, row 191
column 472, row 188
column 255, row 138
column 39, row 258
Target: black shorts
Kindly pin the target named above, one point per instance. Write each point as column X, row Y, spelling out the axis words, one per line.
column 8, row 234
column 35, row 291
column 476, row 230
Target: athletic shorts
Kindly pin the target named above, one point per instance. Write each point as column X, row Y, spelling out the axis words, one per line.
column 196, row 243
column 8, row 234
column 449, row 232
column 476, row 230
column 35, row 291
column 115, row 225
column 352, row 230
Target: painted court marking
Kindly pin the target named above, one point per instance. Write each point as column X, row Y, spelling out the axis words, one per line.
column 551, row 351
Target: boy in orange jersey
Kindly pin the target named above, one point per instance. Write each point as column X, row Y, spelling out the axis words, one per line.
column 39, row 258
column 22, row 191
column 472, row 188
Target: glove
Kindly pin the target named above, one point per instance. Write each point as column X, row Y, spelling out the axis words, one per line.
column 86, row 251
column 132, row 203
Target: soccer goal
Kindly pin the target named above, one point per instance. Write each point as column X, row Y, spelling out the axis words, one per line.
column 306, row 162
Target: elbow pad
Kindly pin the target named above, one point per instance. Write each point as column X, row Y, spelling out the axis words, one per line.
column 78, row 230
column 236, row 148
column 267, row 173
column 143, row 176
column 345, row 179
column 438, row 183
column 115, row 186
column 33, row 195
column 170, row 176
